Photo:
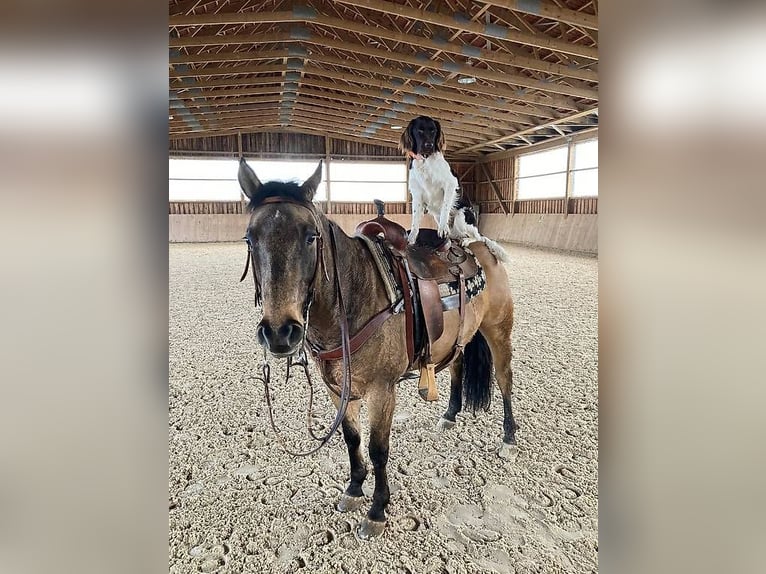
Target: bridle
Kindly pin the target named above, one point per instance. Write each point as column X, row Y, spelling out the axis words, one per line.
column 302, row 361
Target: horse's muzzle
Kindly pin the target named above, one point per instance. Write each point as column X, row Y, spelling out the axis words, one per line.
column 282, row 341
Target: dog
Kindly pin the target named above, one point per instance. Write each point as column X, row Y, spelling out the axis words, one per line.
column 465, row 230
column 433, row 187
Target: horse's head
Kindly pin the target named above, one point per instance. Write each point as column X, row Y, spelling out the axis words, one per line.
column 284, row 237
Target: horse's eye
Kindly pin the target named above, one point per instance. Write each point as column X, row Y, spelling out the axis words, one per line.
column 310, row 239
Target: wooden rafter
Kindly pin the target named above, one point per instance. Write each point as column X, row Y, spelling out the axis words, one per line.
column 548, row 10
column 356, row 69
column 411, row 39
column 490, row 31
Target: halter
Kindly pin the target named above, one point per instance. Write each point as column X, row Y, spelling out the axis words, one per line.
column 302, row 361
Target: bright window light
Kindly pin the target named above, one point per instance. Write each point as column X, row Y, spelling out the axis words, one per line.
column 542, row 175
column 543, row 162
column 585, row 183
column 216, row 179
column 586, row 154
column 366, row 181
column 543, row 186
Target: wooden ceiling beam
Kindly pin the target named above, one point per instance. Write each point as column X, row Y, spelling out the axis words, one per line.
column 477, row 102
column 523, row 113
column 399, row 57
column 302, row 120
column 488, row 30
column 561, row 121
column 393, row 103
column 306, row 131
column 229, row 56
column 548, row 10
column 402, row 105
column 474, row 124
column 308, row 16
column 531, row 99
column 356, row 122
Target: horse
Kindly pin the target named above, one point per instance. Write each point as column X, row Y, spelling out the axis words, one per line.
column 300, row 260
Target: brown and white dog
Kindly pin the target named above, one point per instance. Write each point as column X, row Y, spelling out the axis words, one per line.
column 433, row 187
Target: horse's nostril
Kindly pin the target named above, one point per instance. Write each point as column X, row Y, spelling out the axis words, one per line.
column 295, row 334
column 264, row 333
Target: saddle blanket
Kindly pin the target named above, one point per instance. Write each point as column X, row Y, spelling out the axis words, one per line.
column 449, row 292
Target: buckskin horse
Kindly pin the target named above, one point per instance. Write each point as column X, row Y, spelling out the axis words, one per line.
column 301, row 260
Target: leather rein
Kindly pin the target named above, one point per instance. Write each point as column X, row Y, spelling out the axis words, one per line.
column 345, row 347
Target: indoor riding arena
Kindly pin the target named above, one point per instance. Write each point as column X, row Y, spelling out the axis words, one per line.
column 514, row 89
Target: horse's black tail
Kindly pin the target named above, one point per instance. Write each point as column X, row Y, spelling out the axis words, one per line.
column 477, row 374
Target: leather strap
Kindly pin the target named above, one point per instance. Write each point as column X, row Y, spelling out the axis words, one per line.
column 356, row 342
column 409, row 319
column 431, row 304
column 458, row 347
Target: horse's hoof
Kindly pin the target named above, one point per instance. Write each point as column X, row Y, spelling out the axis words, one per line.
column 508, row 451
column 349, row 503
column 370, row 528
column 444, row 424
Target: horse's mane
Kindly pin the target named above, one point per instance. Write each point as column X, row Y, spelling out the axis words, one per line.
column 284, row 189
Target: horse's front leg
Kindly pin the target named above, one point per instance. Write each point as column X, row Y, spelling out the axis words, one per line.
column 380, row 405
column 353, row 497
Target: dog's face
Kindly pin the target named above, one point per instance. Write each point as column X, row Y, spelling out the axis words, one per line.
column 423, row 136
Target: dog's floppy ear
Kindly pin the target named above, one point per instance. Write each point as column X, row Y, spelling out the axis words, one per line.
column 407, row 142
column 441, row 144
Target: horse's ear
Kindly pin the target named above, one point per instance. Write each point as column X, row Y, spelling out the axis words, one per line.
column 406, row 143
column 441, row 144
column 309, row 187
column 248, row 181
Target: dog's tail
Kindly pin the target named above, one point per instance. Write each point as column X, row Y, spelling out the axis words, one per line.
column 495, row 249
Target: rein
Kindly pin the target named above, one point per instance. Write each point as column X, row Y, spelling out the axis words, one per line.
column 302, row 361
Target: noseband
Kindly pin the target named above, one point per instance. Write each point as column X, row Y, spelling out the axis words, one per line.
column 302, row 361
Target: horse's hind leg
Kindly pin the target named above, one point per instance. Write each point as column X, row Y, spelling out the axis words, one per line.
column 499, row 340
column 447, row 421
column 380, row 406
column 353, row 497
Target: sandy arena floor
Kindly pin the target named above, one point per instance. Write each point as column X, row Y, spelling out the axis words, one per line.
column 238, row 503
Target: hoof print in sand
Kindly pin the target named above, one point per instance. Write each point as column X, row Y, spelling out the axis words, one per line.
column 211, row 556
column 409, row 523
column 322, row 538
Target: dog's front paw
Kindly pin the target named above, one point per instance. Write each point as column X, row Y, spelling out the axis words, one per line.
column 443, row 231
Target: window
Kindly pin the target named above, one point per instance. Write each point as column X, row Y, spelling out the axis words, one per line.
column 542, row 175
column 366, row 181
column 216, row 179
column 585, row 169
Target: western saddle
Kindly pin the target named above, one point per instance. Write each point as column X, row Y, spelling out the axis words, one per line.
column 419, row 270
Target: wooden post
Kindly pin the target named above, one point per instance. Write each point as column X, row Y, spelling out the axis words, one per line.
column 494, row 187
column 570, row 175
column 327, row 148
column 514, row 183
column 239, row 144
